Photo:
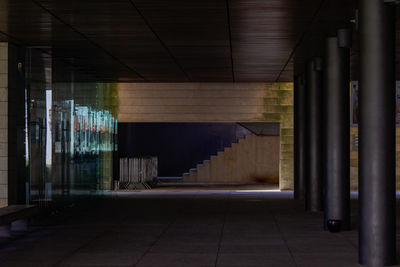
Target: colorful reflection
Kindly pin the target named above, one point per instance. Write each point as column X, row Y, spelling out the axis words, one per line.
column 93, row 131
column 79, row 144
column 71, row 133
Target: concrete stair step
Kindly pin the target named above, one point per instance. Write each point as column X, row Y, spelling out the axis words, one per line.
column 216, row 167
column 193, row 174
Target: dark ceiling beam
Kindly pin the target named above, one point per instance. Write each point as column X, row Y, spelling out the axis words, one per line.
column 89, row 40
column 159, row 39
column 303, row 34
column 230, row 38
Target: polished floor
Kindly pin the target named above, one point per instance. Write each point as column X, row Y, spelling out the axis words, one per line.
column 186, row 227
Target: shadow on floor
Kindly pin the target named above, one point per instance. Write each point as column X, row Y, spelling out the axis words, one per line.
column 232, row 226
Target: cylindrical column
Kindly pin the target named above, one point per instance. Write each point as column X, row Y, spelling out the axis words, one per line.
column 314, row 155
column 300, row 136
column 377, row 158
column 336, row 133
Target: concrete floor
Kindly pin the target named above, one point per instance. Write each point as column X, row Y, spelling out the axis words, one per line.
column 187, row 227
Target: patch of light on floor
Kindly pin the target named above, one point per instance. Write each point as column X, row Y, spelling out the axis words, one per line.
column 257, row 190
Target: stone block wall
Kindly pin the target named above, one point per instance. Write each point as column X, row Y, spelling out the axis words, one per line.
column 286, row 120
column 278, row 107
column 353, row 159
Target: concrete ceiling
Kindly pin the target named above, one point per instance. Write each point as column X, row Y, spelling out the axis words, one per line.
column 175, row 40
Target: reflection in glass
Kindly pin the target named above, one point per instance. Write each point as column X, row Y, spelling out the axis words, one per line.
column 71, row 132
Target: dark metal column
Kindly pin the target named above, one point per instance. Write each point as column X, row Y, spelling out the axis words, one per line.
column 17, row 169
column 300, row 136
column 314, row 151
column 377, row 158
column 336, row 133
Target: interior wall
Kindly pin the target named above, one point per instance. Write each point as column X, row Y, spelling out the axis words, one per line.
column 215, row 102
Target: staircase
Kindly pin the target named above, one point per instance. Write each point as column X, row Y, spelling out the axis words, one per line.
column 244, row 162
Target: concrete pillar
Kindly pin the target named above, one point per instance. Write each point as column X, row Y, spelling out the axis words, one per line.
column 377, row 157
column 300, row 136
column 3, row 124
column 314, row 136
column 336, row 133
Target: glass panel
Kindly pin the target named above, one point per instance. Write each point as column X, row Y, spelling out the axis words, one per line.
column 71, row 128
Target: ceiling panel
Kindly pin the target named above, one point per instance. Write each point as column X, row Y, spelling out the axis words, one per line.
column 264, row 33
column 195, row 32
column 179, row 40
column 118, row 28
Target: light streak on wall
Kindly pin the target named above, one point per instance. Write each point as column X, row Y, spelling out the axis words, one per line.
column 72, row 121
column 26, row 131
column 48, row 128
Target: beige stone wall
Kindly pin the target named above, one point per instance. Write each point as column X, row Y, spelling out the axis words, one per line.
column 353, row 161
column 3, row 124
column 191, row 102
column 214, row 102
column 252, row 159
column 285, row 110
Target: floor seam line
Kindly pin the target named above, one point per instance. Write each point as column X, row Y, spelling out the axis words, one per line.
column 222, row 228
column 349, row 242
column 77, row 249
column 84, row 245
column 284, row 239
column 155, row 241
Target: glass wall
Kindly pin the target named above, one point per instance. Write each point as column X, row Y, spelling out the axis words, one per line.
column 71, row 131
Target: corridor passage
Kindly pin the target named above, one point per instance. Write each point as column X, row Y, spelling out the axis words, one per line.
column 186, row 227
